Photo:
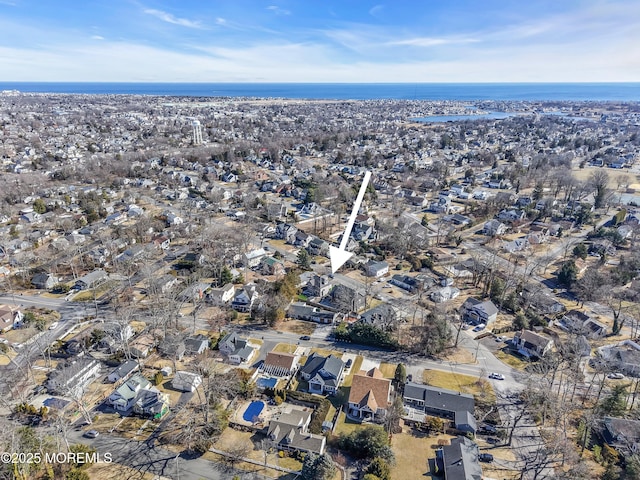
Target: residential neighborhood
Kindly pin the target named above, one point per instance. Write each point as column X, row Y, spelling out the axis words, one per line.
column 168, row 286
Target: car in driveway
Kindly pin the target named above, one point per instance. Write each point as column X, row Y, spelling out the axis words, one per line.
column 496, row 376
column 485, row 457
column 615, row 376
column 479, row 327
column 91, row 433
column 486, row 428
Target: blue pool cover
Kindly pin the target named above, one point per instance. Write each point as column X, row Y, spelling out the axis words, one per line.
column 253, row 411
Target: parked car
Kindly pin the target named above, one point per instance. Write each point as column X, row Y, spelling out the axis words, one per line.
column 493, row 441
column 487, row 429
column 53, row 326
column 500, row 338
column 496, row 376
column 485, row 457
column 91, row 434
column 616, row 376
column 479, row 327
column 348, row 364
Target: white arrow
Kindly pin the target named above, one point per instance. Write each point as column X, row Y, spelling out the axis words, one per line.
column 339, row 256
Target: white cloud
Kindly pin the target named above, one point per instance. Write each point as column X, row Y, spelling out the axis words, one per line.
column 374, row 11
column 432, row 41
column 97, row 37
column 278, row 11
column 169, row 18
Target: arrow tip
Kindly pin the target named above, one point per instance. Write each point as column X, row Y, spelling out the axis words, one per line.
column 338, row 257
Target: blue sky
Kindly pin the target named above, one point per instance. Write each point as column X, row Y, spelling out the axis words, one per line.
column 320, row 41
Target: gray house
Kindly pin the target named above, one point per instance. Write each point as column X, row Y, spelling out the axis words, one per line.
column 439, row 402
column 476, row 311
column 459, row 461
column 324, row 374
column 289, row 432
column 44, row 281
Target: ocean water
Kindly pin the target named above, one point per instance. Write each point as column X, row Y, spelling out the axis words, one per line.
column 356, row 91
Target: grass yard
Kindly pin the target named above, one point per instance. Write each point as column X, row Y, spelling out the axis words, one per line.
column 412, row 451
column 345, row 425
column 231, row 438
column 354, row 368
column 456, row 381
column 109, row 471
column 285, row 348
column 506, row 357
column 5, row 358
column 388, row 369
column 299, row 327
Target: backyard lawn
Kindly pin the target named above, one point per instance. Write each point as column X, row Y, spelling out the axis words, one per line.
column 412, row 451
column 388, row 369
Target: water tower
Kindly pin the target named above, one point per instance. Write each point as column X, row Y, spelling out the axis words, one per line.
column 197, row 132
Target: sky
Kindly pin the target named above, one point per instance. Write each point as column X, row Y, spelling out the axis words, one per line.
column 351, row 41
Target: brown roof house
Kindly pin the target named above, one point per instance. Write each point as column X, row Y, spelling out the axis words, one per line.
column 531, row 344
column 370, row 395
column 280, row 364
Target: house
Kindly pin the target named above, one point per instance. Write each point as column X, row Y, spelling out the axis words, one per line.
column 196, row 344
column 10, row 317
column 244, row 299
column 324, row 374
column 252, row 259
column 376, row 269
column 302, row 311
column 124, row 371
column 347, row 299
column 186, row 381
column 123, row 397
column 222, row 295
column 286, row 232
column 72, row 378
column 151, row 403
column 444, row 294
column 92, row 279
column 576, row 321
column 370, row 395
column 439, row 402
column 162, row 242
column 621, row 433
column 162, row 284
column 193, row 292
column 142, row 346
column 288, row 431
column 280, row 364
column 517, row 245
column 476, row 311
column 302, row 239
column 236, row 349
column 460, row 460
column 531, row 344
column 383, row 316
column 623, row 357
column 272, row 266
column 319, row 286
column 44, row 281
column 172, row 346
column 494, row 227
column 317, row 246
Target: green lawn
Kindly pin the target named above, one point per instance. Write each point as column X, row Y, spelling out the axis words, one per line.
column 354, row 368
column 345, row 425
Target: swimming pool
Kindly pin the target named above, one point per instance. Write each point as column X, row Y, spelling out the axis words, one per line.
column 253, row 411
column 269, row 382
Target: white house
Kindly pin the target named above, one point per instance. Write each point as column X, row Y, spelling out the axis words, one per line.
column 376, row 269
column 186, row 381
